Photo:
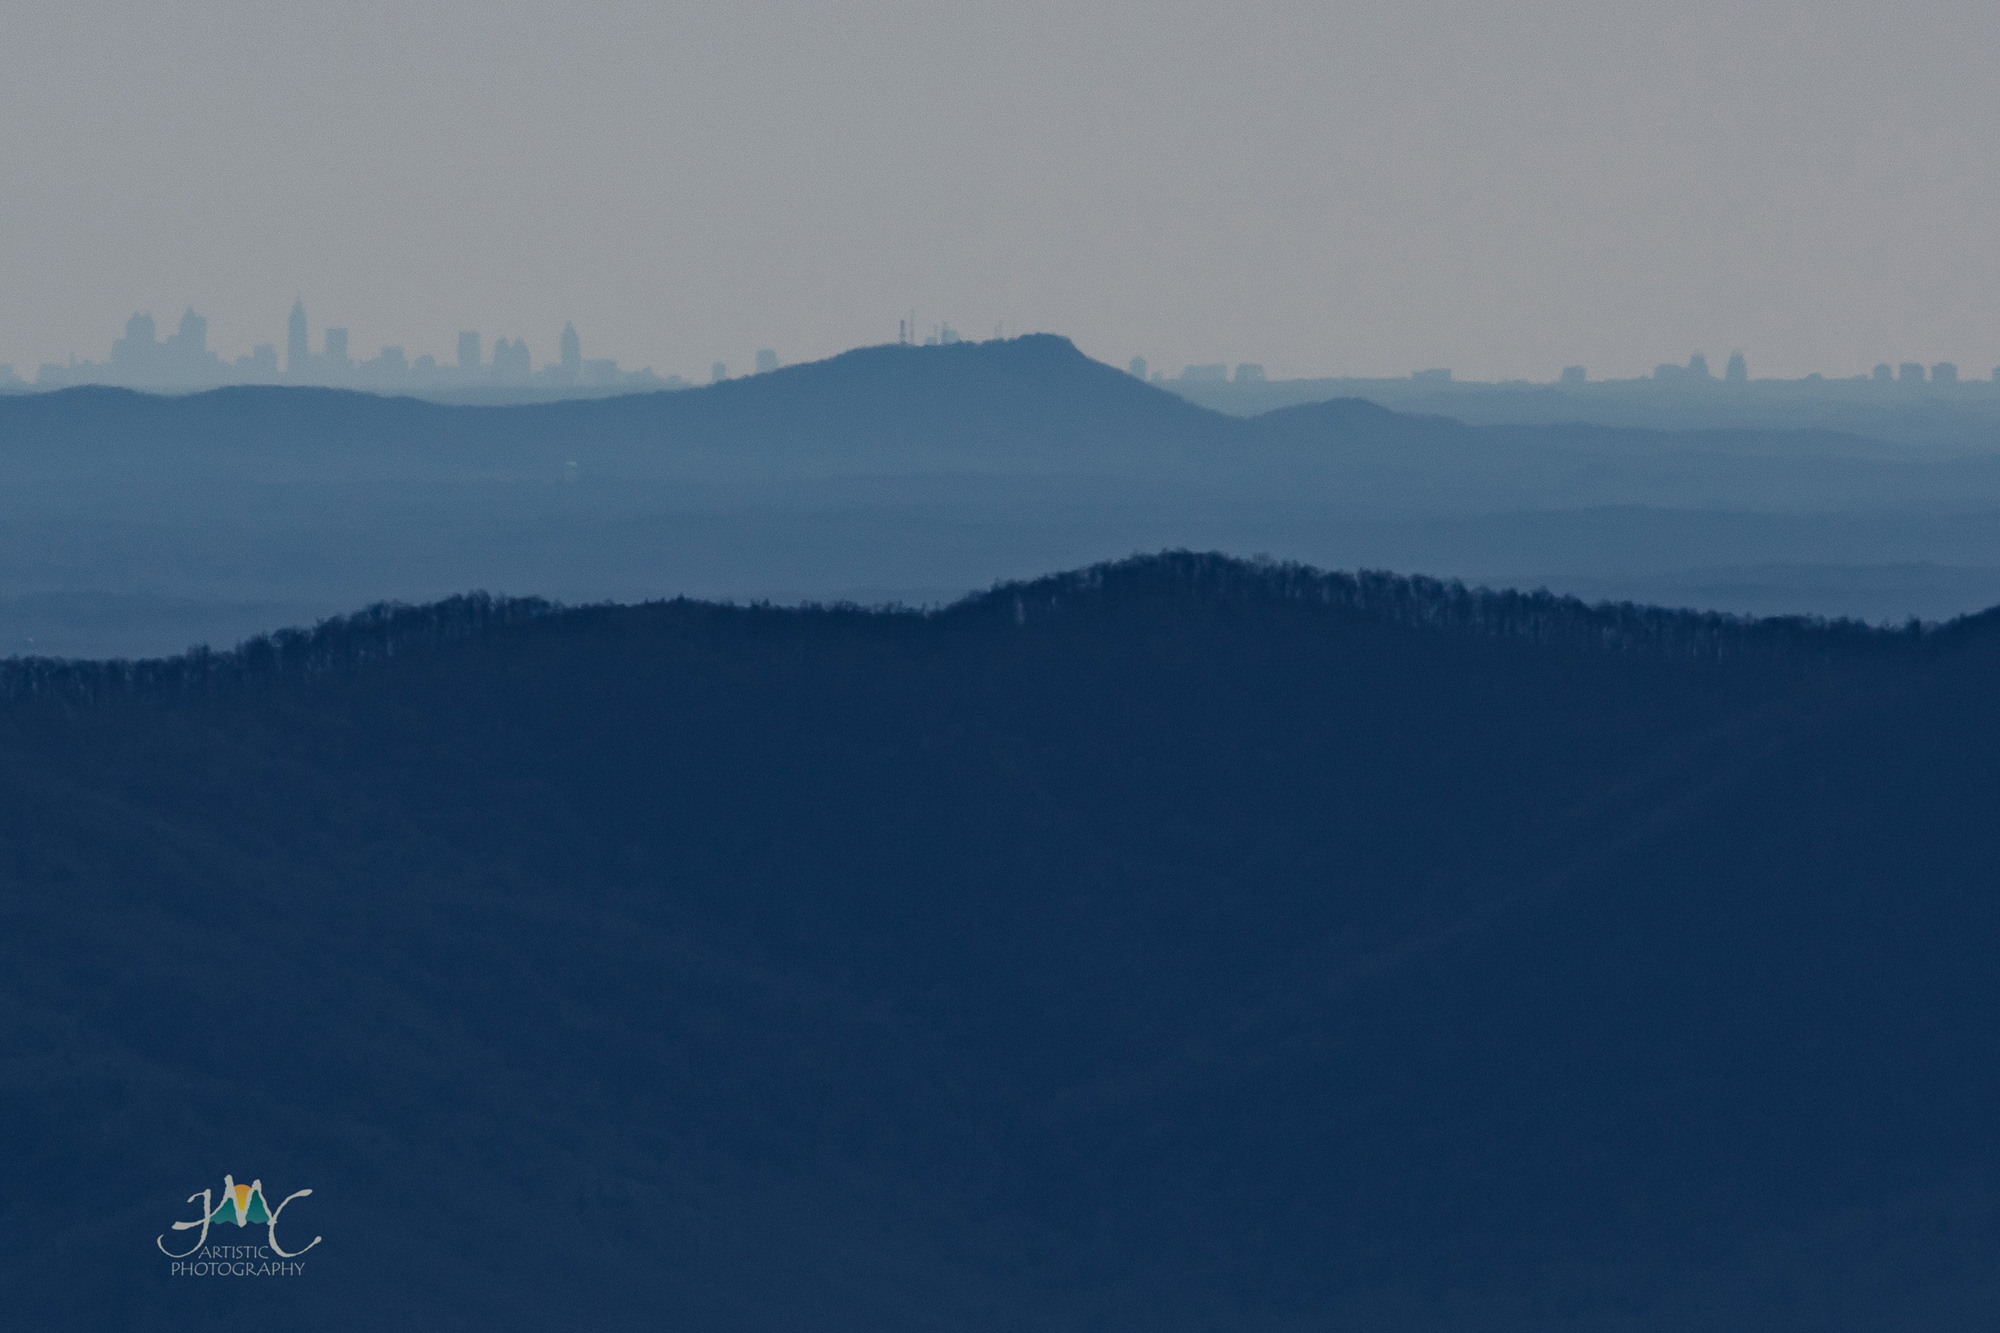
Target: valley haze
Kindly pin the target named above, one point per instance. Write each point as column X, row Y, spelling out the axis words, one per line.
column 136, row 525
column 735, row 668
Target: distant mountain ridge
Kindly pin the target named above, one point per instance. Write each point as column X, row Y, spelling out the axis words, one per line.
column 1955, row 417
column 1032, row 404
column 996, row 406
column 917, row 474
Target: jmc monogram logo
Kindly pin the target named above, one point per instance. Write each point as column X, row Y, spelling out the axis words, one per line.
column 244, row 1206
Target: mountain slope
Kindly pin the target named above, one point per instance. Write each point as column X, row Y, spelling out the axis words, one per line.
column 1027, row 406
column 136, row 524
column 1174, row 944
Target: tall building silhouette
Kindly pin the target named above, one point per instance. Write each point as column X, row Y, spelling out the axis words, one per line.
column 136, row 352
column 571, row 354
column 511, row 363
column 297, row 354
column 468, row 352
column 184, row 356
column 191, row 341
column 767, row 361
column 1738, row 371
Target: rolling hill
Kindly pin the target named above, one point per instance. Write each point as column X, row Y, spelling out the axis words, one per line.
column 138, row 525
column 1179, row 943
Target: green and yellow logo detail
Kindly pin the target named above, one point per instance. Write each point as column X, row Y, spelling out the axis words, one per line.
column 243, row 1206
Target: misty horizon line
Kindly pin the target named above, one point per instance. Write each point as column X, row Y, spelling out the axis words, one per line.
column 182, row 360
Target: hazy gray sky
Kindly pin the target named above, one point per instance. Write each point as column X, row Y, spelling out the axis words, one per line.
column 1499, row 188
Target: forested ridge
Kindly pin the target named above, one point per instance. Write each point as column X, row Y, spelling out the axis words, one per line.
column 381, row 631
column 1177, row 943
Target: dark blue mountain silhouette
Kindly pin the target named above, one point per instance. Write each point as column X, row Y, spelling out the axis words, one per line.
column 1180, row 943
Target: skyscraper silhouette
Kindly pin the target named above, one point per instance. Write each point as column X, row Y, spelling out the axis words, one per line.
column 511, row 363
column 137, row 352
column 1738, row 371
column 297, row 354
column 192, row 338
column 572, row 354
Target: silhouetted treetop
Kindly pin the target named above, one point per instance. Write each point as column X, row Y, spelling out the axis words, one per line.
column 1170, row 582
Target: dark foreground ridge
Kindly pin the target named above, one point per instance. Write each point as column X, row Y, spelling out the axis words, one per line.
column 346, row 643
column 1180, row 943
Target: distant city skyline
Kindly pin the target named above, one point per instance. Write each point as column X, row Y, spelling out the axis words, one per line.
column 141, row 358
column 1323, row 189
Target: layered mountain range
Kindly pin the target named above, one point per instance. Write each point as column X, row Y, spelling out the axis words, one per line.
column 137, row 524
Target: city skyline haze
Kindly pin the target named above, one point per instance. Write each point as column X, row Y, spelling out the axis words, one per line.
column 1321, row 190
